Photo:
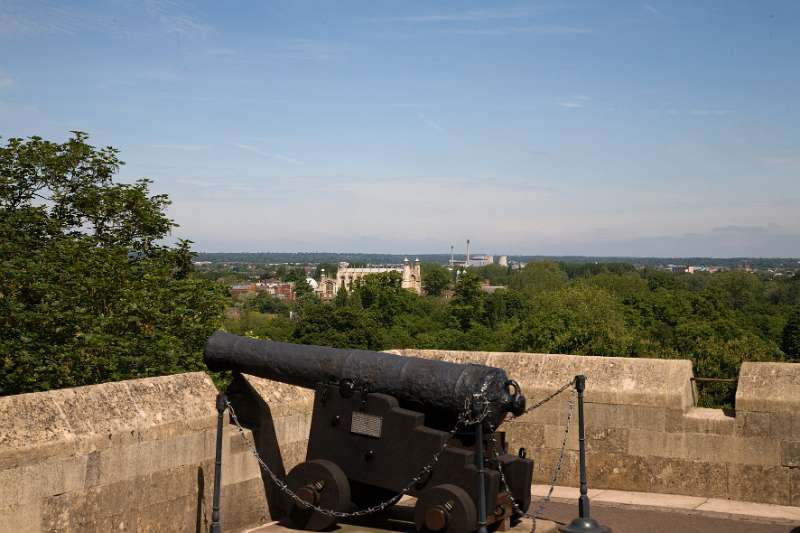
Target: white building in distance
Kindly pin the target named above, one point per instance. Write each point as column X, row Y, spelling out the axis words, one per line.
column 346, row 276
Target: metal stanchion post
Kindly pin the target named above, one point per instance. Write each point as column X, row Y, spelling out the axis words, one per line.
column 479, row 463
column 584, row 523
column 222, row 402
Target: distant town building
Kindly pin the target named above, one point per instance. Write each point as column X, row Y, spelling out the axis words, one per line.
column 326, row 289
column 480, row 260
column 489, row 288
column 412, row 275
column 469, row 261
column 502, row 260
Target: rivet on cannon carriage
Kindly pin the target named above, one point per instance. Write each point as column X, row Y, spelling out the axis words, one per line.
column 385, row 425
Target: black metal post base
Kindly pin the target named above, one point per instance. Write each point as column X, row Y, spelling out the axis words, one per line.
column 584, row 525
column 221, row 406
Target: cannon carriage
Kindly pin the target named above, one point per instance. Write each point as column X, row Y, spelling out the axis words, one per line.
column 384, row 424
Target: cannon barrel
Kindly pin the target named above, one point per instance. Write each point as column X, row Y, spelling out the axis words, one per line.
column 438, row 387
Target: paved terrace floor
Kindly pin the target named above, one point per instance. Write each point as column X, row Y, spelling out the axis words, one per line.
column 624, row 512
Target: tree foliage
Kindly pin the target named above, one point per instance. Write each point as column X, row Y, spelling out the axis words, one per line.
column 716, row 320
column 790, row 339
column 435, row 279
column 87, row 292
column 537, row 278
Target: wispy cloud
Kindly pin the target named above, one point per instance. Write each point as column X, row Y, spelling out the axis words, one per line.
column 574, row 102
column 182, row 147
column 268, row 155
column 422, row 117
column 479, row 15
column 652, row 10
column 175, row 16
column 31, row 18
column 221, row 52
column 786, row 161
column 401, row 105
column 511, row 30
column 309, row 49
column 5, row 81
column 710, row 112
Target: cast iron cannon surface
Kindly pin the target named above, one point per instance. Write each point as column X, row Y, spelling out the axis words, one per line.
column 437, row 387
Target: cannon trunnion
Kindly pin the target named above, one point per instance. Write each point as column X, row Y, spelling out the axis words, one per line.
column 366, row 446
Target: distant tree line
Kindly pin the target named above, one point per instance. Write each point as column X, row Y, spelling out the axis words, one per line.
column 715, row 320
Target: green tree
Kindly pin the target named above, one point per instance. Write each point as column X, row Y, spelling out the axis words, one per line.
column 341, row 299
column 435, row 279
column 575, row 320
column 341, row 327
column 302, row 290
column 330, row 270
column 266, row 303
column 494, row 273
column 87, row 292
column 537, row 278
column 467, row 304
column 382, row 294
column 790, row 343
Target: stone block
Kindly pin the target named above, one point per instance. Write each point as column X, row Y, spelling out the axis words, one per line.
column 32, row 419
column 728, row 449
column 553, row 412
column 699, row 420
column 794, row 481
column 178, row 515
column 281, row 398
column 657, row 474
column 759, row 483
column 243, row 505
column 545, row 463
column 790, row 453
column 26, row 518
column 785, row 425
column 524, row 434
column 626, row 416
column 127, row 462
column 32, row 482
column 605, row 439
column 752, row 424
column 239, row 467
column 656, row 444
column 554, row 437
column 768, row 387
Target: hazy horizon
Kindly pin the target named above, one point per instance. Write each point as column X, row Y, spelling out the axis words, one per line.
column 638, row 129
column 474, row 253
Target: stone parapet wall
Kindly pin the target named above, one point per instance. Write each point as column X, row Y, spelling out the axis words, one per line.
column 644, row 432
column 138, row 455
column 132, row 456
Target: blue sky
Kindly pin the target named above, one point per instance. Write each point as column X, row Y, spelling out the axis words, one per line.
column 607, row 128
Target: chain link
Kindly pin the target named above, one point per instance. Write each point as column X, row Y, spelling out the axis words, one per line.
column 466, row 418
column 546, row 399
column 559, row 462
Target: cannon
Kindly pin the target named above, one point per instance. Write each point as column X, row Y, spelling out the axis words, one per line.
column 379, row 421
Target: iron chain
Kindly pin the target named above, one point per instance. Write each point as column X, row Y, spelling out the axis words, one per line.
column 558, row 465
column 465, row 419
